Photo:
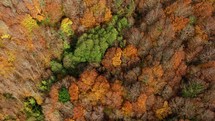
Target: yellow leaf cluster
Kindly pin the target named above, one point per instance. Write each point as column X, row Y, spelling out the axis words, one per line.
column 66, row 26
column 11, row 57
column 5, row 36
column 29, row 23
column 38, row 98
column 163, row 112
column 116, row 60
column 6, row 68
column 7, row 63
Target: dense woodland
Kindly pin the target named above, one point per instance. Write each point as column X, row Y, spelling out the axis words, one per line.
column 107, row 60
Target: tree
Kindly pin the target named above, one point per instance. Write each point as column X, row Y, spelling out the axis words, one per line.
column 163, row 112
column 74, row 92
column 92, row 45
column 127, row 108
column 114, row 97
column 56, row 67
column 97, row 12
column 140, row 105
column 63, row 95
column 78, row 113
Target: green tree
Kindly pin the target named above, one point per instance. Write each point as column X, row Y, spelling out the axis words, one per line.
column 92, row 45
column 63, row 95
column 56, row 67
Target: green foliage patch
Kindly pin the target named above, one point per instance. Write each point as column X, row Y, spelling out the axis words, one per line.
column 192, row 20
column 63, row 95
column 33, row 110
column 56, row 67
column 192, row 90
column 46, row 84
column 92, row 45
column 8, row 96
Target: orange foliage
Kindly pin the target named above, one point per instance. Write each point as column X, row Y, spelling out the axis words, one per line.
column 208, row 64
column 54, row 11
column 141, row 4
column 69, row 119
column 88, row 20
column 108, row 15
column 35, row 9
column 73, row 91
column 177, row 58
column 179, row 23
column 127, row 108
column 172, row 8
column 158, row 71
column 114, row 96
column 116, row 60
column 147, row 75
column 54, row 94
column 203, row 9
column 130, row 51
column 140, row 105
column 90, row 2
column 186, row 2
column 96, row 12
column 151, row 77
column 130, row 55
column 78, row 112
column 7, row 63
column 112, row 58
column 87, row 79
column 201, row 33
column 99, row 90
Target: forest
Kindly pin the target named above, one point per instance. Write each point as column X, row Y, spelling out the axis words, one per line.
column 107, row 60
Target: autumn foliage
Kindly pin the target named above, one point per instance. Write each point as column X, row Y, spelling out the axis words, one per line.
column 97, row 11
column 98, row 60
